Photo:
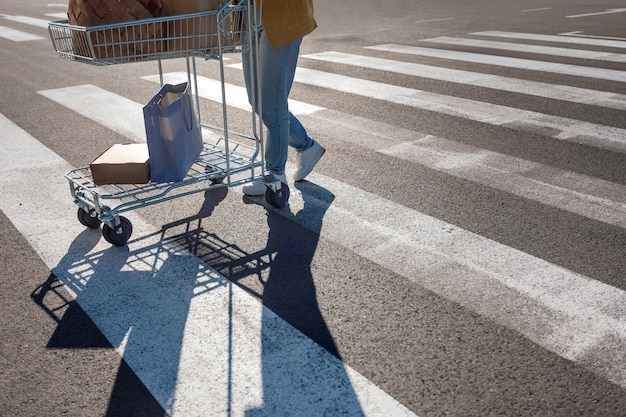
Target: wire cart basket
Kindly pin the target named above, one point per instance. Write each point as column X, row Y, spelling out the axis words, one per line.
column 227, row 159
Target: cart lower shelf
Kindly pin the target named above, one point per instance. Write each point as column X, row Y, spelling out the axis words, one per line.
column 104, row 204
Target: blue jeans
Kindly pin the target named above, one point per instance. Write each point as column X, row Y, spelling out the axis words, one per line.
column 277, row 68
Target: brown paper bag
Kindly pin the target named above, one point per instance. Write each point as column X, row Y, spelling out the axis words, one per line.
column 134, row 40
column 197, row 34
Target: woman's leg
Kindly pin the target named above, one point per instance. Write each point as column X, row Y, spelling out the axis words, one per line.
column 276, row 73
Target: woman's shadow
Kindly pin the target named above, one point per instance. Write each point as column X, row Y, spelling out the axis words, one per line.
column 300, row 379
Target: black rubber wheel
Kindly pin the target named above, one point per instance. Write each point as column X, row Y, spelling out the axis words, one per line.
column 89, row 219
column 278, row 198
column 217, row 179
column 125, row 229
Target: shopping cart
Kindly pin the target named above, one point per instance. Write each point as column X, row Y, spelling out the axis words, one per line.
column 228, row 158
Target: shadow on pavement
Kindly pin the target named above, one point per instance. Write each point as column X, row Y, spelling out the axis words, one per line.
column 139, row 301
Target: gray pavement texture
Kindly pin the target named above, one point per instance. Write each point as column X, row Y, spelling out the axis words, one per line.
column 435, row 356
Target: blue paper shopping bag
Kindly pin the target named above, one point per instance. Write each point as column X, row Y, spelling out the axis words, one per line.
column 173, row 133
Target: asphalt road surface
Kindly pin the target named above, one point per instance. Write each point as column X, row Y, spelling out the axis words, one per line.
column 460, row 250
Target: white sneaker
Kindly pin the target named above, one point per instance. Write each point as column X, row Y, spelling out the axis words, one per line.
column 258, row 187
column 307, row 160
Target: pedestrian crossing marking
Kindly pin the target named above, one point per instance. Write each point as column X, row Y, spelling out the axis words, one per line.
column 565, row 309
column 586, row 347
column 508, row 62
column 435, row 20
column 580, row 33
column 606, row 137
column 590, row 197
column 576, row 193
column 17, row 35
column 496, row 82
column 116, row 112
column 41, row 23
column 533, row 49
column 608, row 11
column 577, row 307
column 59, row 16
column 554, row 38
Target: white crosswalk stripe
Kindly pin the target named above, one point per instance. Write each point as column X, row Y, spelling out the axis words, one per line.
column 574, row 316
column 554, row 38
column 533, row 49
column 609, row 11
column 17, row 35
column 57, row 16
column 41, row 23
column 508, row 62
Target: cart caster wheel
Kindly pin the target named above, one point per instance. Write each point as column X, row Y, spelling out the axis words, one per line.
column 89, row 219
column 218, row 179
column 125, row 229
column 278, row 198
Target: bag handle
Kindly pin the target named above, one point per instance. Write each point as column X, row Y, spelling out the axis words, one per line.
column 187, row 110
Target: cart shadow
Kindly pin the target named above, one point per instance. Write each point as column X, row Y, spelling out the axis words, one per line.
column 138, row 309
column 76, row 330
column 280, row 276
column 127, row 299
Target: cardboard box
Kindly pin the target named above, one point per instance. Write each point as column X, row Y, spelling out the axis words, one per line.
column 122, row 164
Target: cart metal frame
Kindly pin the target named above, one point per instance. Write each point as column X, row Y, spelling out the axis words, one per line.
column 228, row 158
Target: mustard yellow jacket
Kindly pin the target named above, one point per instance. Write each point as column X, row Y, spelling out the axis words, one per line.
column 284, row 21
